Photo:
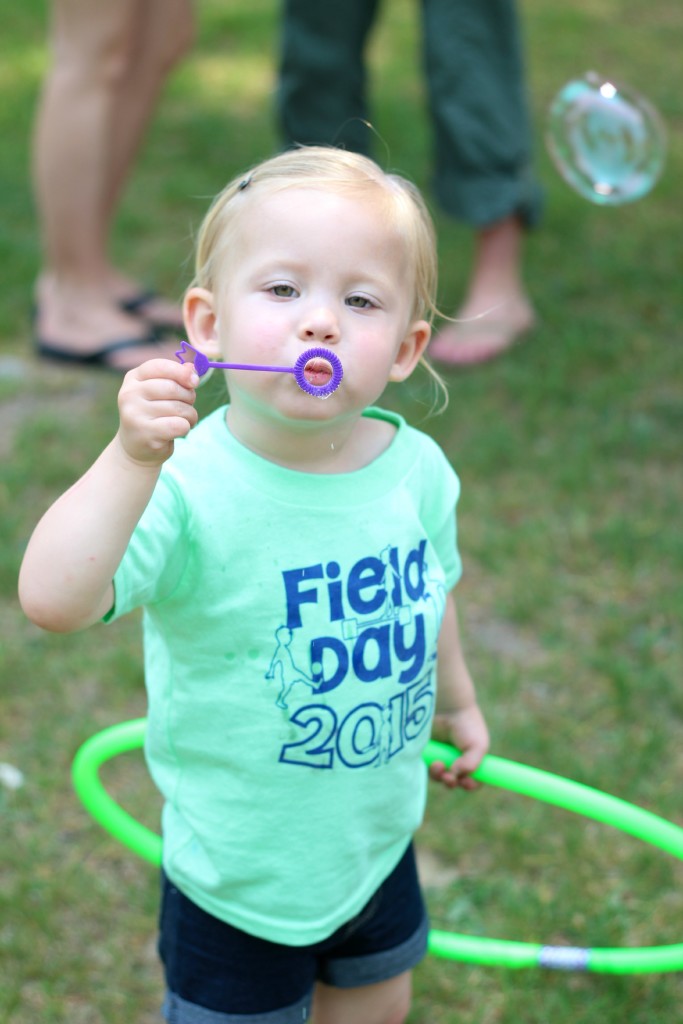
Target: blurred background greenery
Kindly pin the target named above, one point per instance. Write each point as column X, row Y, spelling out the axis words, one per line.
column 569, row 449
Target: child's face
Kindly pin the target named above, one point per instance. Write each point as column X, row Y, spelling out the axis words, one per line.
column 309, row 269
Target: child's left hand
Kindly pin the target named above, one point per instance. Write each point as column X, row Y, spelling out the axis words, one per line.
column 466, row 729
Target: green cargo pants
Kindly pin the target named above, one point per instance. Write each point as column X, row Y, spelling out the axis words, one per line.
column 475, row 81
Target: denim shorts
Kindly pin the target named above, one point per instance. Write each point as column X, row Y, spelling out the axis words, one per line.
column 217, row 974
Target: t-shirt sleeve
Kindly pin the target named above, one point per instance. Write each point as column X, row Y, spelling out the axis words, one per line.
column 155, row 559
column 445, row 542
column 441, row 490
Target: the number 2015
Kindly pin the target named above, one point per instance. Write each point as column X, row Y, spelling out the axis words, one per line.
column 369, row 733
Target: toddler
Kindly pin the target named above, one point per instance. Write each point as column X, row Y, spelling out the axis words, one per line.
column 295, row 559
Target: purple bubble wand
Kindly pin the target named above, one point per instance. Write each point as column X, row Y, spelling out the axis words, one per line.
column 316, row 362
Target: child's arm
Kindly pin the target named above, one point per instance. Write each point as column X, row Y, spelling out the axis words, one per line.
column 458, row 718
column 65, row 582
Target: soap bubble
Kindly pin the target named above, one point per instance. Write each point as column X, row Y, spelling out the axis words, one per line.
column 607, row 141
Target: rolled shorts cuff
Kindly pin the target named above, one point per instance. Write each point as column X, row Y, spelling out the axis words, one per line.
column 178, row 1011
column 355, row 971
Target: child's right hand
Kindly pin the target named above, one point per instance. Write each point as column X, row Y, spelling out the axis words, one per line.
column 156, row 406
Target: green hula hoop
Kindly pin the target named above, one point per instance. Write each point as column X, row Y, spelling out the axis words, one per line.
column 493, row 771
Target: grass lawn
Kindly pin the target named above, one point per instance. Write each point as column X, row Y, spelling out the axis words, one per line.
column 569, row 450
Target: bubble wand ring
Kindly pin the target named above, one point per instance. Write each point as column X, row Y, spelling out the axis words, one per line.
column 314, row 362
column 493, row 771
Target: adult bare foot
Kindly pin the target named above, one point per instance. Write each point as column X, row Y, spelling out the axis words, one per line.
column 478, row 337
column 496, row 312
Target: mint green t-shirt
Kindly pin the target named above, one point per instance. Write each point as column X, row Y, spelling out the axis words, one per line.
column 290, row 629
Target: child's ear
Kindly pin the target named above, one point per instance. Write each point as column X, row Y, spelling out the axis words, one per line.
column 201, row 320
column 411, row 350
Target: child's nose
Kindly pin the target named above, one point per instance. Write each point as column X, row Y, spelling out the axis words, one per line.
column 319, row 325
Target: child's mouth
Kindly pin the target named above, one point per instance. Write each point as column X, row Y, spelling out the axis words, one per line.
column 318, row 372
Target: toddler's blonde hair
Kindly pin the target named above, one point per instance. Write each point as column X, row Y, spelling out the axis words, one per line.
column 331, row 170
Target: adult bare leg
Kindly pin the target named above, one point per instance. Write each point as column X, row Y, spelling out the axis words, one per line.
column 75, row 140
column 162, row 34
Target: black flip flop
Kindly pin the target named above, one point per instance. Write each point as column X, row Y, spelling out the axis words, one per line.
column 136, row 307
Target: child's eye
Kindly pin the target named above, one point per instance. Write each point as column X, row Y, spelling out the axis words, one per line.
column 360, row 302
column 283, row 291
